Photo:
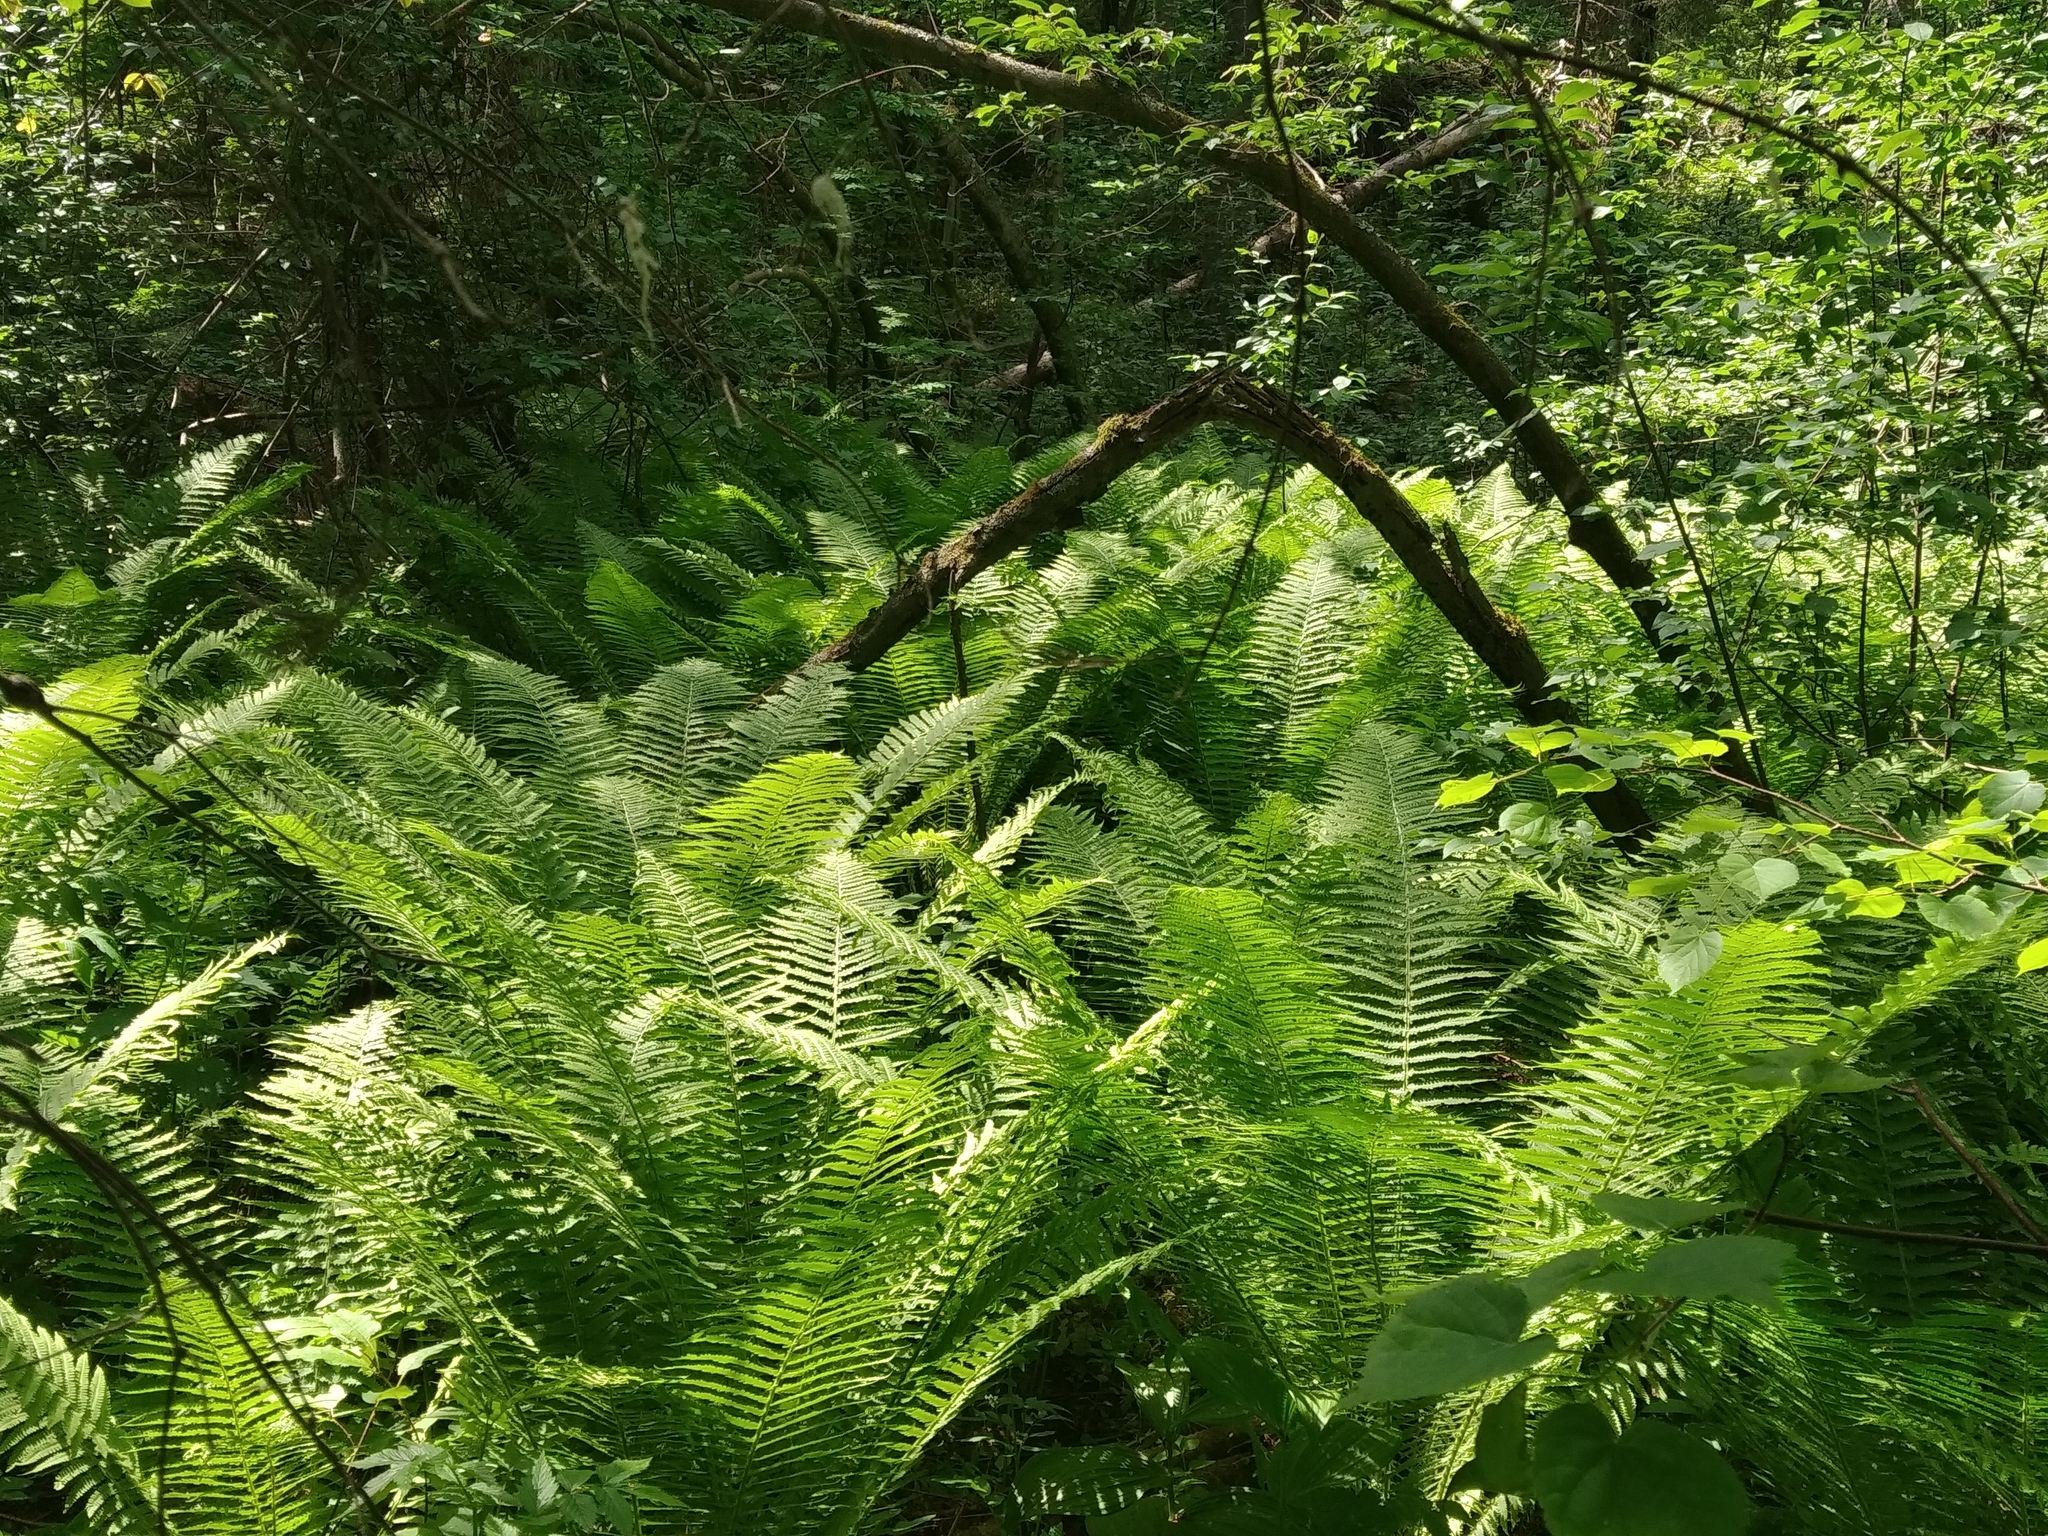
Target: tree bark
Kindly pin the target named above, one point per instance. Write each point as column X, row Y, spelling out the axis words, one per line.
column 1278, row 241
column 1055, row 502
column 1294, row 186
column 1016, row 252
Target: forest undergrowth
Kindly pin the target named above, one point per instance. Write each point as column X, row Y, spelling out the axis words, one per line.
column 625, row 913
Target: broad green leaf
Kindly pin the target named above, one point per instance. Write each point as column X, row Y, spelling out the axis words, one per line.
column 1882, row 902
column 1538, row 739
column 1236, row 1384
column 1683, row 959
column 1660, row 885
column 1529, row 822
column 1774, row 875
column 1804, row 1067
column 1500, row 1454
column 1742, row 1268
column 1545, row 1283
column 1703, row 821
column 1463, row 1331
column 1825, row 858
column 2034, row 957
column 1572, row 92
column 1656, row 1213
column 1465, row 791
column 1652, row 1480
column 1147, row 1517
column 1082, row 1480
column 2012, row 793
column 1502, row 1451
column 1966, row 916
column 1571, row 779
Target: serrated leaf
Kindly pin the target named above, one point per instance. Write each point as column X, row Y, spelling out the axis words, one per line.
column 2014, row 792
column 1683, row 959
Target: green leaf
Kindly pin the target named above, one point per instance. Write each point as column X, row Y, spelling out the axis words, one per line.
column 1683, row 959
column 1807, row 1067
column 2034, row 957
column 1147, row 1517
column 1826, row 858
column 1529, row 822
column 1967, row 916
column 2012, row 793
column 1571, row 779
column 1545, row 1283
column 1659, row 885
column 1653, row 1480
column 74, row 589
column 1656, row 1213
column 1882, row 902
column 1465, row 791
column 1238, row 1385
column 1081, row 1480
column 1741, row 1268
column 1463, row 1331
column 1538, row 739
column 1500, row 1456
column 1704, row 820
column 1774, row 875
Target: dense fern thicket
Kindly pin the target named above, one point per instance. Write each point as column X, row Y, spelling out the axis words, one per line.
column 483, row 1051
column 773, row 769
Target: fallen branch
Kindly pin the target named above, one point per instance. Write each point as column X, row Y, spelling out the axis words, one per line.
column 1055, row 502
column 1295, row 186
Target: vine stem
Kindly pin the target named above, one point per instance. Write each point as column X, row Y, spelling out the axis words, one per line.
column 1918, row 1095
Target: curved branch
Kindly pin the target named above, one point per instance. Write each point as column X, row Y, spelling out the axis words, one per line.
column 1295, row 186
column 1015, row 250
column 1434, row 560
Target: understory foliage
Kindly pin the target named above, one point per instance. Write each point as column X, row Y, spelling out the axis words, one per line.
column 512, row 1022
column 516, row 1064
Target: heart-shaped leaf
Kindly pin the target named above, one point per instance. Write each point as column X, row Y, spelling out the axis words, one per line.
column 1684, row 958
column 2013, row 792
column 1463, row 1331
column 1653, row 1480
